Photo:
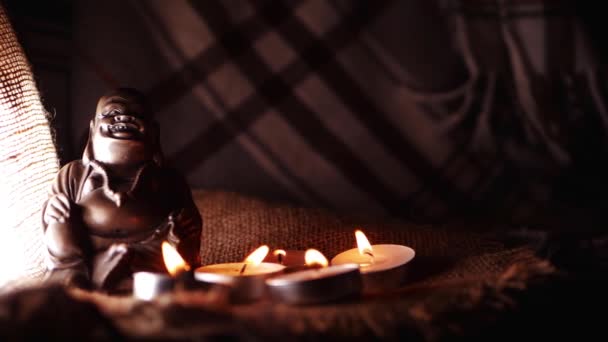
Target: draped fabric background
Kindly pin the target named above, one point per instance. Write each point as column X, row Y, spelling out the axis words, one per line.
column 28, row 163
column 384, row 107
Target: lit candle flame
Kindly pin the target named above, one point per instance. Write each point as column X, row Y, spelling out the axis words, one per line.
column 173, row 261
column 365, row 248
column 314, row 257
column 279, row 252
column 257, row 256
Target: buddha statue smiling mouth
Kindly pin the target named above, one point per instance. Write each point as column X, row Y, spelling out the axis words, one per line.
column 125, row 130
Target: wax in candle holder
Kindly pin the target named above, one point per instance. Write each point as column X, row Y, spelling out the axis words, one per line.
column 151, row 285
column 246, row 286
column 245, row 278
column 382, row 266
column 316, row 285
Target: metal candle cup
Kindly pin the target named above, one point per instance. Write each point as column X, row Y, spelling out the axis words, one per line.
column 246, row 286
column 148, row 285
column 315, row 282
column 384, row 270
column 316, row 285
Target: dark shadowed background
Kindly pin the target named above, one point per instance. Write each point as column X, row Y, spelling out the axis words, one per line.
column 391, row 108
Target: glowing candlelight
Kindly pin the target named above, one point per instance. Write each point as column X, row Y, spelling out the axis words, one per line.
column 365, row 248
column 149, row 285
column 246, row 278
column 314, row 257
column 320, row 284
column 280, row 254
column 288, row 258
column 382, row 266
column 255, row 258
column 173, row 261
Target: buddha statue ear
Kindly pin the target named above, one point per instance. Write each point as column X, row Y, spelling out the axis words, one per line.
column 87, row 154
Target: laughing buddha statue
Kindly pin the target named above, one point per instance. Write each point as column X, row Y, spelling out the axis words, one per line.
column 108, row 213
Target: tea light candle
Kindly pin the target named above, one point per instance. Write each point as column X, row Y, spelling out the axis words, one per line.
column 317, row 285
column 382, row 266
column 245, row 278
column 149, row 285
column 293, row 260
column 286, row 257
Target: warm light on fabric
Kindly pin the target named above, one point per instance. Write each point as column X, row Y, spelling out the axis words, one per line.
column 28, row 163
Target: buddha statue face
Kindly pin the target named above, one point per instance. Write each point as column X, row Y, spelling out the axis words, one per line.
column 123, row 131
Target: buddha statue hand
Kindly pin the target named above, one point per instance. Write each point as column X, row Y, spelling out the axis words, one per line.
column 57, row 209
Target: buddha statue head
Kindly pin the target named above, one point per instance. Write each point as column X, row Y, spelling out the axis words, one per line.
column 123, row 131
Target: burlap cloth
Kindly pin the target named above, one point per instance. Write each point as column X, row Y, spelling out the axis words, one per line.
column 234, row 225
column 28, row 163
column 460, row 284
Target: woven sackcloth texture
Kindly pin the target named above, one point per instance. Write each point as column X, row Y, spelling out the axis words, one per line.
column 234, row 225
column 28, row 162
column 454, row 269
column 459, row 285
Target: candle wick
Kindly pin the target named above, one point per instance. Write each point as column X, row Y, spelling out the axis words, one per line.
column 280, row 257
column 243, row 269
column 371, row 255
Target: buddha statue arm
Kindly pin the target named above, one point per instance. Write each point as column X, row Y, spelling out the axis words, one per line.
column 62, row 195
column 66, row 241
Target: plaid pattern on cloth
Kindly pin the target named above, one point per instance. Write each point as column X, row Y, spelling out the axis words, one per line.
column 385, row 107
